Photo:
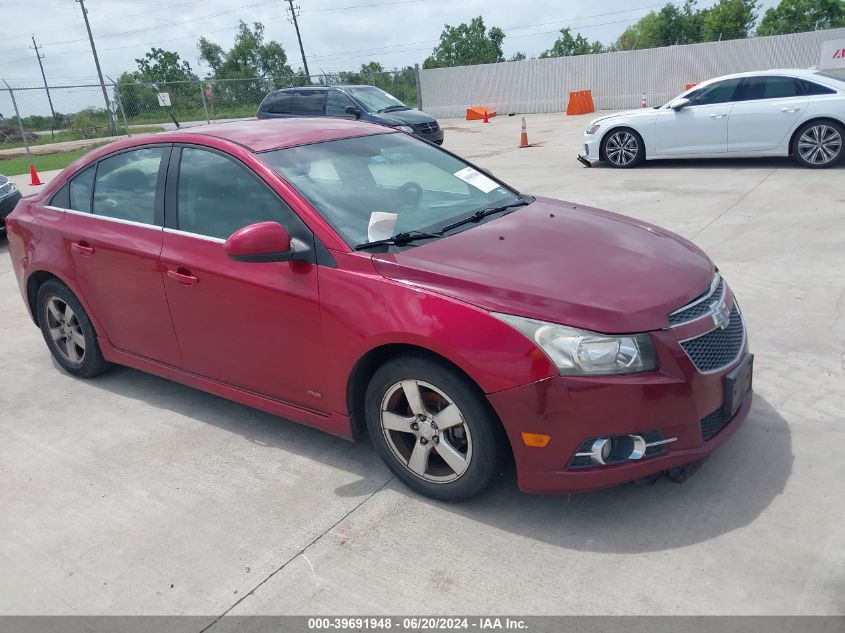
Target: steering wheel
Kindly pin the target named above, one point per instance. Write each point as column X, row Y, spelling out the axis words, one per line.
column 410, row 194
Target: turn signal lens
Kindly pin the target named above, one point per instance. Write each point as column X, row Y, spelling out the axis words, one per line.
column 536, row 440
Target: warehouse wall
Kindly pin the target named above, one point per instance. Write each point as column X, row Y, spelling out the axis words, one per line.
column 616, row 79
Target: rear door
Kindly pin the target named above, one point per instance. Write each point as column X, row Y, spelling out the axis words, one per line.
column 767, row 111
column 112, row 229
column 252, row 325
column 702, row 126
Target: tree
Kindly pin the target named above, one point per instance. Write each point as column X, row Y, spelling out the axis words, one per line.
column 250, row 56
column 161, row 65
column 729, row 20
column 518, row 56
column 795, row 16
column 670, row 25
column 567, row 45
column 137, row 90
column 466, row 45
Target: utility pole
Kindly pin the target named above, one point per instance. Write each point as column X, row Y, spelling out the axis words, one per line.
column 97, row 64
column 293, row 14
column 39, row 57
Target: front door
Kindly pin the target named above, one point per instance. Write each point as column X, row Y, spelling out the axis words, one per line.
column 699, row 128
column 113, row 233
column 251, row 325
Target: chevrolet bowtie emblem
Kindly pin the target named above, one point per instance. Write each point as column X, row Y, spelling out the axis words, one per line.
column 721, row 316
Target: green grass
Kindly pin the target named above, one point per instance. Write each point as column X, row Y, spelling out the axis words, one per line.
column 68, row 135
column 42, row 162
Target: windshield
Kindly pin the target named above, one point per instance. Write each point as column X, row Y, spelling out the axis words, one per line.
column 376, row 100
column 372, row 187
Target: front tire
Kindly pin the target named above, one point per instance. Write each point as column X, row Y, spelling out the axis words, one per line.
column 818, row 144
column 623, row 148
column 433, row 428
column 68, row 331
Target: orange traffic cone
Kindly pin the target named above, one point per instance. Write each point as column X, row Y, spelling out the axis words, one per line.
column 523, row 139
column 33, row 176
column 486, row 117
column 643, row 104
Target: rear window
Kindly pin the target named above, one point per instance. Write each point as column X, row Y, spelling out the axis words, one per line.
column 278, row 102
column 811, row 88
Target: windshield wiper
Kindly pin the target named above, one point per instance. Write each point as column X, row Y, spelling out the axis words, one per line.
column 400, row 239
column 483, row 213
column 393, row 108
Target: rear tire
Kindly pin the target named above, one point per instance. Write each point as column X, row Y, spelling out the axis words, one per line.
column 623, row 148
column 818, row 144
column 433, row 428
column 68, row 331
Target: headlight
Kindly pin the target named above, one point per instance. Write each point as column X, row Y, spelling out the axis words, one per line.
column 582, row 353
column 592, row 129
column 405, row 128
column 7, row 188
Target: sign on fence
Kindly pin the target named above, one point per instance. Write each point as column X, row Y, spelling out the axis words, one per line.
column 164, row 99
column 833, row 55
column 208, row 93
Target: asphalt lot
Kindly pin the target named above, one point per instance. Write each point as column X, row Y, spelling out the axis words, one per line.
column 129, row 494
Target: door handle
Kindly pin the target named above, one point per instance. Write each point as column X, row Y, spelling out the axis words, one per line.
column 83, row 248
column 790, row 110
column 718, row 116
column 183, row 276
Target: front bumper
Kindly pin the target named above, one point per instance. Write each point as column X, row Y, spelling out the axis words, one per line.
column 436, row 137
column 674, row 400
column 591, row 149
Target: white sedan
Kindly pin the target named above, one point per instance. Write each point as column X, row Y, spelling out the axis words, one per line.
column 798, row 113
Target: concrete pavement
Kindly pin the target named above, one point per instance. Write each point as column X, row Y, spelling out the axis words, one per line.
column 132, row 494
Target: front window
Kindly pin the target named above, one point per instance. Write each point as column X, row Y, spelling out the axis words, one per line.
column 376, row 100
column 719, row 92
column 371, row 187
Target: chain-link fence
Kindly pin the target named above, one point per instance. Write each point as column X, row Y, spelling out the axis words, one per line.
column 62, row 117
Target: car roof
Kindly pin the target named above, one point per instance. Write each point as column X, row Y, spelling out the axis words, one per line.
column 262, row 135
column 807, row 73
column 341, row 86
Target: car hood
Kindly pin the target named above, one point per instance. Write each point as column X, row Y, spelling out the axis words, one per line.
column 404, row 117
column 561, row 262
column 638, row 112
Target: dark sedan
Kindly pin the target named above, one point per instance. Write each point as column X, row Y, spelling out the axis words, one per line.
column 9, row 196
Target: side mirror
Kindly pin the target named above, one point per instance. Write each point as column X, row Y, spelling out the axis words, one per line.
column 679, row 104
column 356, row 112
column 261, row 242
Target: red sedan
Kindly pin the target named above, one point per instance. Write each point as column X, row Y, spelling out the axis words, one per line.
column 356, row 279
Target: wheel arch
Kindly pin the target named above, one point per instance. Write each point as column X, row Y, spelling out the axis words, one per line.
column 374, row 358
column 616, row 128
column 33, row 283
column 814, row 119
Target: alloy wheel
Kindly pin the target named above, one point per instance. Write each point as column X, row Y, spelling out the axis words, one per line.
column 820, row 144
column 426, row 431
column 65, row 331
column 622, row 148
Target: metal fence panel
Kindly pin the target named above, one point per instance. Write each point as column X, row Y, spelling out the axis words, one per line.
column 617, row 80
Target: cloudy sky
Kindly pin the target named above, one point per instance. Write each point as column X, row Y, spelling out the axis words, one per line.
column 337, row 34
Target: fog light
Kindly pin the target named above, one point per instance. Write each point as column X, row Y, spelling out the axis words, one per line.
column 605, row 451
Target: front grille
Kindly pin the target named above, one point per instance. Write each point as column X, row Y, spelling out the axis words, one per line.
column 426, row 128
column 701, row 306
column 713, row 423
column 719, row 348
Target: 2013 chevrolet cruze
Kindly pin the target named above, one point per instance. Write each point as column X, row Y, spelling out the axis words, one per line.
column 351, row 277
